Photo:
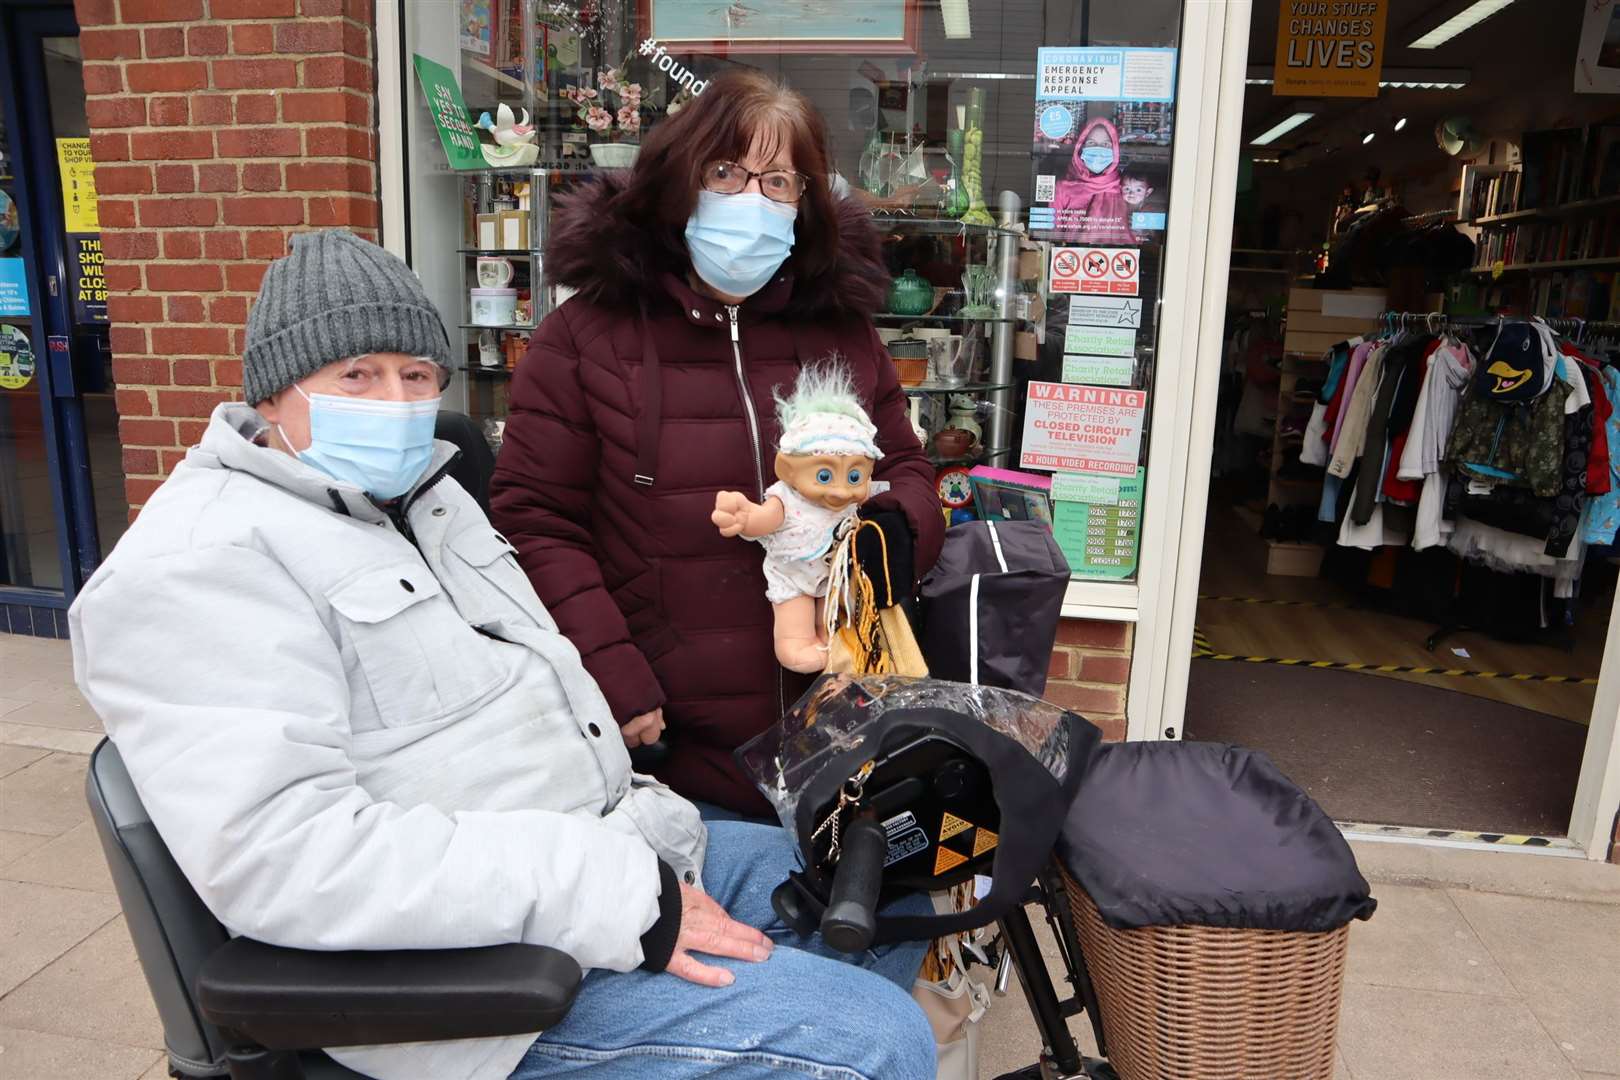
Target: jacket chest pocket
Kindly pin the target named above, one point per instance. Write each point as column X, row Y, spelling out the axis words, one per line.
column 406, row 651
column 498, row 588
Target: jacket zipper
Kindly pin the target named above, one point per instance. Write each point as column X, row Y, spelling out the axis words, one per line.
column 759, row 466
column 401, row 520
column 748, row 405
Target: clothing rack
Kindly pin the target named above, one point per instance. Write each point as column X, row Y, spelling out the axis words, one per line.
column 1435, row 321
column 1432, row 215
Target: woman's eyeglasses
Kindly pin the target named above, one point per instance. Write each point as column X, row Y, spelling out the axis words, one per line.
column 729, row 178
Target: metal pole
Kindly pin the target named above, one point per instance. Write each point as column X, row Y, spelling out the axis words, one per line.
column 1004, row 253
column 539, row 231
column 1030, row 964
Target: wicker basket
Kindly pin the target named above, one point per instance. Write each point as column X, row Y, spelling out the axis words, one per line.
column 1202, row 1003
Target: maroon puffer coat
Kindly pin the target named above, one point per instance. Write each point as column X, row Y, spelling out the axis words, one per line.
column 665, row 611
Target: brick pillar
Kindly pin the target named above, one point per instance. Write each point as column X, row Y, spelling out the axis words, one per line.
column 1091, row 667
column 219, row 127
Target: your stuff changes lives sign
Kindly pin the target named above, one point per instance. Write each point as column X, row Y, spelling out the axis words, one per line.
column 1330, row 48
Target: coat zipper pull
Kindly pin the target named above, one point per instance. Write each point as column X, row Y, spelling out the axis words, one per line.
column 731, row 310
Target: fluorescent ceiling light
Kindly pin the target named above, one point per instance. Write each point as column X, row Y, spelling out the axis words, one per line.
column 1268, row 137
column 1401, row 123
column 1466, row 19
column 1369, row 137
column 958, row 22
column 1400, row 78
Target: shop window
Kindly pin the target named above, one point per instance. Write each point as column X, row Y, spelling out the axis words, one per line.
column 1016, row 159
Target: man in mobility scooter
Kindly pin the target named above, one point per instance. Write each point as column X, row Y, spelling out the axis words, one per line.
column 356, row 727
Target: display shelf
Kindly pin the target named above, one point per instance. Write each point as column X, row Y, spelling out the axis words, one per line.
column 1568, row 209
column 981, row 458
column 483, row 372
column 1556, row 264
column 949, row 226
column 541, row 168
column 519, row 328
column 966, row 388
column 890, row 317
column 503, row 253
column 476, row 72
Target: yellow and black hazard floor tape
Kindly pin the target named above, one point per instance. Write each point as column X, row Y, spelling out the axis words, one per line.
column 1408, row 832
column 1203, row 650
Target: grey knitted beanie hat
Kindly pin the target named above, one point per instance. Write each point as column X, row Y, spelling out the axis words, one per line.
column 335, row 296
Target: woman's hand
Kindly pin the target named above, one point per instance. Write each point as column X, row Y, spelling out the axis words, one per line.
column 731, row 511
column 643, row 730
column 706, row 928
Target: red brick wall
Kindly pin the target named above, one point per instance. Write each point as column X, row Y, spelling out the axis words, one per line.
column 1091, row 666
column 219, row 127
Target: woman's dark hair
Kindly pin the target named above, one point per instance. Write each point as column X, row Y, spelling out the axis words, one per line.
column 738, row 107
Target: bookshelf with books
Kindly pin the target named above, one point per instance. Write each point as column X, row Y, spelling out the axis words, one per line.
column 1549, row 225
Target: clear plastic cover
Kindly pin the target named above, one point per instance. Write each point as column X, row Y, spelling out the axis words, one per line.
column 835, row 715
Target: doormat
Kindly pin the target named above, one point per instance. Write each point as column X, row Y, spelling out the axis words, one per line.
column 1385, row 751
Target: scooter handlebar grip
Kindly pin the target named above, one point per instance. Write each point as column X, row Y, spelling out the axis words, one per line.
column 850, row 921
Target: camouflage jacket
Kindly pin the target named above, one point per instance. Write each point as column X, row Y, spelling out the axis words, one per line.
column 1519, row 445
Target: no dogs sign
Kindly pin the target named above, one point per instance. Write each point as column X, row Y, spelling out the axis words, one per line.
column 1098, row 271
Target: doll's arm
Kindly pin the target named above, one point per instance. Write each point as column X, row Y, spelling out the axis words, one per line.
column 736, row 515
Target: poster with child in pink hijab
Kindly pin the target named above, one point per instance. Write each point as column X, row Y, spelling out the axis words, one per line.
column 1102, row 137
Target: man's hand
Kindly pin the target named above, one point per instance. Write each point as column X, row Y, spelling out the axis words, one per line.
column 731, row 510
column 643, row 730
column 706, row 928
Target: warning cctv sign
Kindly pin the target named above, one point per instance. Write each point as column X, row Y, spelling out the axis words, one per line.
column 1095, row 271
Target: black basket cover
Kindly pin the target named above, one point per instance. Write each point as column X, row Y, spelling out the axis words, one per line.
column 1205, row 834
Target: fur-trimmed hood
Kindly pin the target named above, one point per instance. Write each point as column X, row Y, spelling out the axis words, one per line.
column 612, row 261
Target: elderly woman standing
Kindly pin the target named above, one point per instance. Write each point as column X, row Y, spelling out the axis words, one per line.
column 706, row 279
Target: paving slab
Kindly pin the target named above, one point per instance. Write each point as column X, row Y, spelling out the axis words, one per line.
column 71, row 715
column 38, row 923
column 27, row 1055
column 73, row 861
column 1564, row 958
column 1397, row 1033
column 13, row 758
column 14, row 845
column 94, row 991
column 1513, row 872
column 46, row 797
column 49, row 738
column 1418, row 939
column 8, row 704
column 159, row 1070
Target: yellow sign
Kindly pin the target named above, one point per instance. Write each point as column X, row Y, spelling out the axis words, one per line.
column 1330, row 48
column 984, row 840
column 950, row 825
column 947, row 860
column 78, row 185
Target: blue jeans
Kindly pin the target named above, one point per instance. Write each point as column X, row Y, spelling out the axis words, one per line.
column 805, row 1010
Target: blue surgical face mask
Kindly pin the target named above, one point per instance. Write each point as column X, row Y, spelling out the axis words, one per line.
column 1097, row 158
column 381, row 447
column 738, row 241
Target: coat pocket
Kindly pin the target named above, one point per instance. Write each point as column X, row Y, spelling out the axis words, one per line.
column 406, row 650
column 499, row 589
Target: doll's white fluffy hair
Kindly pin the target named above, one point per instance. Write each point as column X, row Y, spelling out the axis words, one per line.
column 824, row 386
column 823, row 414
